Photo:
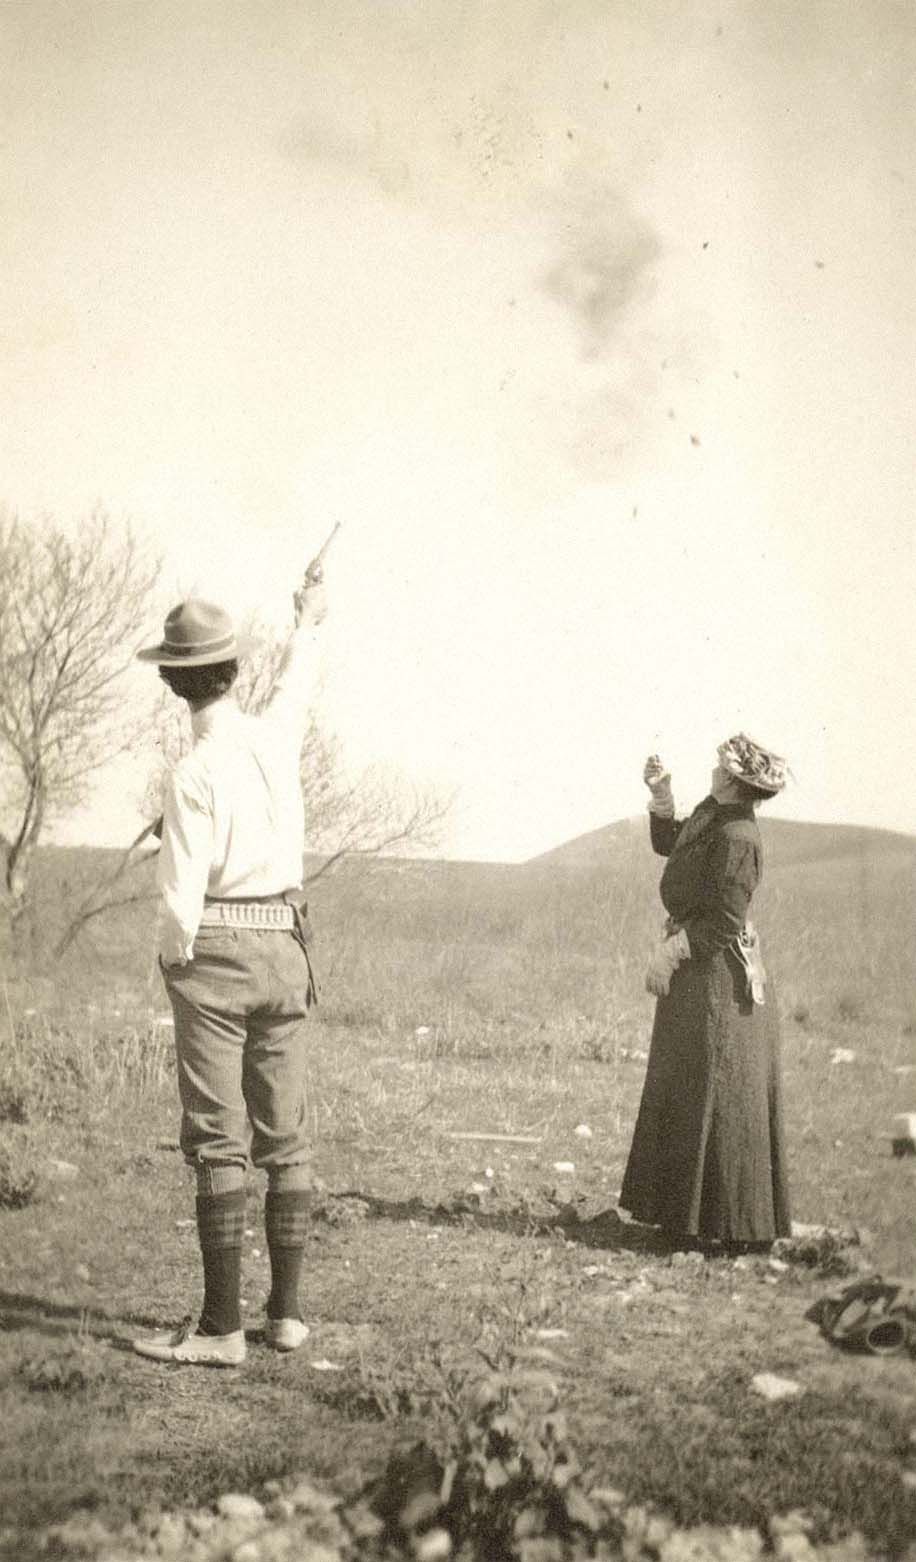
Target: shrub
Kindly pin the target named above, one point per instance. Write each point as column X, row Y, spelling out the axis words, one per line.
column 850, row 1007
column 69, row 1367
column 20, row 1169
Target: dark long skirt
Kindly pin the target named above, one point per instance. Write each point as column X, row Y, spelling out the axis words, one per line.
column 708, row 1153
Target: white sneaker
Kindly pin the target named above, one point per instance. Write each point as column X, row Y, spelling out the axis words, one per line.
column 192, row 1349
column 285, row 1333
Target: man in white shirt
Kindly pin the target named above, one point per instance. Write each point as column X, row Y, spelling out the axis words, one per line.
column 234, row 959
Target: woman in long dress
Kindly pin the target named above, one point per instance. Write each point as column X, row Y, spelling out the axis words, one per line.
column 707, row 1162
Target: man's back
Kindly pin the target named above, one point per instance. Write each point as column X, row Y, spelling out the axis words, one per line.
column 233, row 817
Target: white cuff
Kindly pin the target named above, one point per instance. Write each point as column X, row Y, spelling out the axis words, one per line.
column 662, row 807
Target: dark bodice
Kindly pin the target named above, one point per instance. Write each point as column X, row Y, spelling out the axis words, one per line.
column 715, row 862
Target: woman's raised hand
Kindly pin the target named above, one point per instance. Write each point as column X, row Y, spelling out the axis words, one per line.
column 656, row 775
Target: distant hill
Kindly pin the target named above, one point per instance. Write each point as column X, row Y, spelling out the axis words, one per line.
column 787, row 841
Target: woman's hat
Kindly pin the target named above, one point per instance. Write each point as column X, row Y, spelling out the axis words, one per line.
column 196, row 634
column 751, row 762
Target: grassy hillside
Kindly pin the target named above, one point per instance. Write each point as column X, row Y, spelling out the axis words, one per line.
column 559, row 940
column 785, row 841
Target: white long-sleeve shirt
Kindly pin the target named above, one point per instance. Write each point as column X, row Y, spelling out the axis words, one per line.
column 233, row 821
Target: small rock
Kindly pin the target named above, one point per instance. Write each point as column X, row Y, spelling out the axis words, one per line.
column 281, row 1509
column 657, row 1530
column 794, row 1547
column 81, row 1272
column 707, row 1543
column 795, row 1522
column 171, row 1534
column 842, row 1055
column 308, row 1499
column 183, row 1225
column 323, row 1365
column 363, row 1522
column 769, row 1386
column 778, row 1265
column 565, row 1167
column 238, row 1505
column 201, row 1522
column 608, row 1497
column 78, row 1535
column 248, row 1551
column 583, row 1131
column 433, row 1546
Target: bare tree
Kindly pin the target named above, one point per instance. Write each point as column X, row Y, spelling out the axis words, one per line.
column 72, row 606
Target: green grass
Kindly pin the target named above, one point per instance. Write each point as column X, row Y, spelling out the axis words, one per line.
column 458, row 998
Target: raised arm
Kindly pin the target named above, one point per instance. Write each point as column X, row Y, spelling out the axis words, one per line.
column 664, row 828
column 289, row 699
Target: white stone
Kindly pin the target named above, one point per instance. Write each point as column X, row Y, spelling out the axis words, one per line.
column 307, row 1497
column 281, row 1509
column 842, row 1055
column 770, row 1386
column 794, row 1547
column 248, row 1551
column 608, row 1496
column 583, row 1131
column 433, row 1546
column 566, row 1168
column 238, row 1505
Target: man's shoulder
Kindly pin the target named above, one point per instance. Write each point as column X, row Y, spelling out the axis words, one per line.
column 191, row 776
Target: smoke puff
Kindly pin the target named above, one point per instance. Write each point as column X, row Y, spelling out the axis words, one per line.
column 603, row 270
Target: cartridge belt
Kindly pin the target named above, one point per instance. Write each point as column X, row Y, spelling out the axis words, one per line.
column 248, row 913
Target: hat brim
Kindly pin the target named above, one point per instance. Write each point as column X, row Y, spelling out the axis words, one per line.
column 765, row 788
column 241, row 646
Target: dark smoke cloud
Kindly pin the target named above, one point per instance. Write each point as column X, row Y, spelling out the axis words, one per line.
column 603, row 269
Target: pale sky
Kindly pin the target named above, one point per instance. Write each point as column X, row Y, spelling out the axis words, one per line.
column 594, row 322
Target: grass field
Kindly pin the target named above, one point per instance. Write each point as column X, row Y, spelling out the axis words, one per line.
column 465, row 1296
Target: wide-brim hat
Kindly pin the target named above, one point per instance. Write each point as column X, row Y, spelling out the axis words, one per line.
column 749, row 761
column 197, row 633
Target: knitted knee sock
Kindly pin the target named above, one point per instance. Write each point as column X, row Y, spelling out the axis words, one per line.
column 220, row 1225
column 286, row 1218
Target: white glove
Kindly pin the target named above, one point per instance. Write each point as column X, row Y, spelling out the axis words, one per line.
column 658, row 780
column 664, row 961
